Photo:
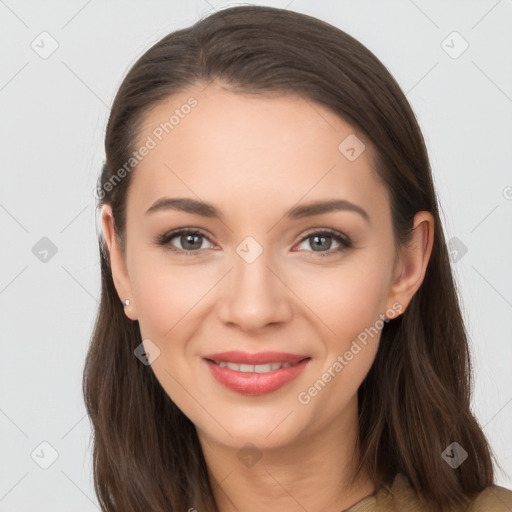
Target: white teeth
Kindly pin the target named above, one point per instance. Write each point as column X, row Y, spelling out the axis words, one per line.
column 257, row 368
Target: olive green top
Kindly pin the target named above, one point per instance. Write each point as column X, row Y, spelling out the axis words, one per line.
column 402, row 497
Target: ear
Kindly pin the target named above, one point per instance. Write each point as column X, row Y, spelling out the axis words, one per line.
column 412, row 261
column 117, row 262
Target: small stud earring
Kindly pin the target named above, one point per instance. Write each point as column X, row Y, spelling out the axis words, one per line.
column 126, row 302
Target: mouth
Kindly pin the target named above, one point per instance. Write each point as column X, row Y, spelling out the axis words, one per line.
column 255, row 368
column 257, row 358
column 255, row 374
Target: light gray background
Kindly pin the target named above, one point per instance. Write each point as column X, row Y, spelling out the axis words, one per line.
column 54, row 112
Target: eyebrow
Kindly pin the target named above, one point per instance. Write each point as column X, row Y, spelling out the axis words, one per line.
column 204, row 209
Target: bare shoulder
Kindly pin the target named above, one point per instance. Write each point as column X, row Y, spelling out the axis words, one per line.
column 492, row 499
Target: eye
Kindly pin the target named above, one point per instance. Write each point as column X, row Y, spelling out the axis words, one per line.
column 189, row 241
column 321, row 242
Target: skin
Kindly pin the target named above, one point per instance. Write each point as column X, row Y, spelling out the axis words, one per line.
column 254, row 158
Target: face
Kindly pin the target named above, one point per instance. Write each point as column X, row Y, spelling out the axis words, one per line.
column 256, row 271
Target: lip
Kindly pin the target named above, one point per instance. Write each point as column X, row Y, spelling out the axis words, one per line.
column 252, row 383
column 237, row 356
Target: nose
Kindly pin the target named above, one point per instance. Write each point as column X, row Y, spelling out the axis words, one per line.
column 255, row 295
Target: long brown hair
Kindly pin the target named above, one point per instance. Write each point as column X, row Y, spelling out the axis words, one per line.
column 415, row 400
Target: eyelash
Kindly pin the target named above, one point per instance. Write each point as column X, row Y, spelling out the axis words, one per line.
column 344, row 241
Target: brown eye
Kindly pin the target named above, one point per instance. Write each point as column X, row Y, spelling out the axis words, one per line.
column 190, row 242
column 186, row 241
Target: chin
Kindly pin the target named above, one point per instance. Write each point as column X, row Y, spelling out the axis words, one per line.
column 266, row 431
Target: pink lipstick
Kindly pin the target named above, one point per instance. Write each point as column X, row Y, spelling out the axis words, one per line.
column 255, row 374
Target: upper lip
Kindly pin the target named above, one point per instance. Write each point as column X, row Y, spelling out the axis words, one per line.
column 236, row 356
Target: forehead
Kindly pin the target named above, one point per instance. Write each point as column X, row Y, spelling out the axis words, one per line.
column 262, row 152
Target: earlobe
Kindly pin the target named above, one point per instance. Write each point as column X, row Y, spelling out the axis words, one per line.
column 117, row 263
column 413, row 260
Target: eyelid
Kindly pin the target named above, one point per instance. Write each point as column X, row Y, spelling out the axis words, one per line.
column 329, row 231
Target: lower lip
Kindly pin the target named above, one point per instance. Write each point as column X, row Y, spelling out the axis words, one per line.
column 255, row 383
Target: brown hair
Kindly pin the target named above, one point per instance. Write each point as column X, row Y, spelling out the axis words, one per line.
column 415, row 400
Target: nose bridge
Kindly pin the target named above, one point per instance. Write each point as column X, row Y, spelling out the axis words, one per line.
column 254, row 296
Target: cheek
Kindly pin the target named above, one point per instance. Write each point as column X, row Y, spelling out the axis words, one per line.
column 346, row 299
column 169, row 309
column 166, row 294
column 348, row 304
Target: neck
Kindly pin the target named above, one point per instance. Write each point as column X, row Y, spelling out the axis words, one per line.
column 311, row 473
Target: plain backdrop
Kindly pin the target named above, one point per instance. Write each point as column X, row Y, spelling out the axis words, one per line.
column 62, row 63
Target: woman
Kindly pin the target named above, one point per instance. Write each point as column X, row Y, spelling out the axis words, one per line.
column 279, row 327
